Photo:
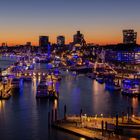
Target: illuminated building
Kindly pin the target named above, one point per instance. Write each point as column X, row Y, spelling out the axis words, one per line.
column 129, row 36
column 125, row 57
column 43, row 41
column 78, row 39
column 60, row 40
column 129, row 54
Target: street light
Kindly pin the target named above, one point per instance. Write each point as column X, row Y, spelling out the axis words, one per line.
column 102, row 115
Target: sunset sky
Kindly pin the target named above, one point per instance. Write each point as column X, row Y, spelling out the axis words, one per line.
column 101, row 21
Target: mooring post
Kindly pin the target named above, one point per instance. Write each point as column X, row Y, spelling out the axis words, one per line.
column 52, row 116
column 122, row 117
column 49, row 119
column 106, row 126
column 55, row 114
column 81, row 111
column 128, row 113
column 65, row 112
column 116, row 122
column 102, row 127
column 132, row 111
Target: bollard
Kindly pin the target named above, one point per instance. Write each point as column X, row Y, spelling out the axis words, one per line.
column 49, row 119
column 0, row 94
column 122, row 117
column 132, row 112
column 128, row 113
column 106, row 126
column 102, row 127
column 117, row 122
column 65, row 111
column 52, row 116
column 55, row 114
column 81, row 111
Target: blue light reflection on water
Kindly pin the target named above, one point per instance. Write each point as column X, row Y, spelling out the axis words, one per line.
column 24, row 117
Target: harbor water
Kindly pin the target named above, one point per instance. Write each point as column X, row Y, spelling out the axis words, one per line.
column 22, row 117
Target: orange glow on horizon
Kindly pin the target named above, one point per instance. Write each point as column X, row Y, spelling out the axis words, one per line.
column 35, row 43
column 101, row 40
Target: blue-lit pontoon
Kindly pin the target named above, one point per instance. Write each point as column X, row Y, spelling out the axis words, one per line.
column 131, row 87
column 111, row 84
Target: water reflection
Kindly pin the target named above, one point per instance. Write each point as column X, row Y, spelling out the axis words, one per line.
column 55, row 106
column 2, row 106
column 135, row 104
column 27, row 114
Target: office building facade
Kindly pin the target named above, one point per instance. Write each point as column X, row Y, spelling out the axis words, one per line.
column 43, row 41
column 129, row 36
column 61, row 40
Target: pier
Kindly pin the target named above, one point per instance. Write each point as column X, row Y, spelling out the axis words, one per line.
column 90, row 129
column 95, row 128
column 5, row 90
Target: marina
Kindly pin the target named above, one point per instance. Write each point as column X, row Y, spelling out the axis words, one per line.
column 69, row 70
column 71, row 83
column 41, row 85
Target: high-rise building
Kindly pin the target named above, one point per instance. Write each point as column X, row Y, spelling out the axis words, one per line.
column 129, row 36
column 4, row 45
column 61, row 40
column 43, row 41
column 79, row 39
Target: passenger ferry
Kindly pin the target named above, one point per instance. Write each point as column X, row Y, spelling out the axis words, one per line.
column 112, row 86
column 42, row 90
column 15, row 83
column 131, row 87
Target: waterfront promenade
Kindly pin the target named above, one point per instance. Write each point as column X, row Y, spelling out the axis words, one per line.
column 86, row 132
column 97, row 128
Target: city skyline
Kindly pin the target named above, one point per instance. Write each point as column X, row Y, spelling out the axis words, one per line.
column 23, row 21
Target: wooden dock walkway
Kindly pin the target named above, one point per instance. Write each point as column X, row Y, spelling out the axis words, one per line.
column 86, row 133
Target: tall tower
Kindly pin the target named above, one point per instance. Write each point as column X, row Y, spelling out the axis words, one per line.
column 43, row 41
column 61, row 40
column 129, row 36
column 78, row 38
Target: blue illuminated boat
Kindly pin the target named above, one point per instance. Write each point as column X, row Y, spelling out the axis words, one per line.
column 100, row 78
column 44, row 93
column 131, row 87
column 112, row 86
column 91, row 75
column 31, row 67
column 42, row 90
column 15, row 83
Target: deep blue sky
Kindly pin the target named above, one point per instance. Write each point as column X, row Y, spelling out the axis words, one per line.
column 101, row 21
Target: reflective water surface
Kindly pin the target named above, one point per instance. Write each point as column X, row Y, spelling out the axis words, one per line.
column 25, row 118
